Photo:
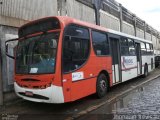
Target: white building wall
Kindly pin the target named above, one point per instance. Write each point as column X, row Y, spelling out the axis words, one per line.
column 109, row 21
column 154, row 41
column 140, row 33
column 128, row 28
column 80, row 11
column 148, row 36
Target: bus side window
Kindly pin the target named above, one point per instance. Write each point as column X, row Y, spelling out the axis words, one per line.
column 151, row 49
column 148, row 49
column 100, row 43
column 143, row 48
column 124, row 46
column 75, row 47
column 131, row 47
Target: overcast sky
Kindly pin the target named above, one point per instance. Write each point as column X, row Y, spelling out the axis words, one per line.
column 147, row 10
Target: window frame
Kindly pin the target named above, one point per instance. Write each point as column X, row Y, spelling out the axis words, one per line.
column 143, row 54
column 133, row 46
column 148, row 50
column 122, row 46
column 103, row 32
column 127, row 46
column 62, row 53
column 151, row 49
column 58, row 42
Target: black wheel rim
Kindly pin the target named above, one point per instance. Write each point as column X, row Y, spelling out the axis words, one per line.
column 103, row 86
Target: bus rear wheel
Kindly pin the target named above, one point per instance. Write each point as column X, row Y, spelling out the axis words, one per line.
column 101, row 86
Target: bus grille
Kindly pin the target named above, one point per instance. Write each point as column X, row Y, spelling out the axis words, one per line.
column 30, row 80
column 34, row 96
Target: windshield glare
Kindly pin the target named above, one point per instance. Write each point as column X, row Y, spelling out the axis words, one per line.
column 37, row 54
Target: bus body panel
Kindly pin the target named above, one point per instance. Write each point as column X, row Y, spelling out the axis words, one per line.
column 82, row 82
column 128, row 67
column 85, row 85
column 149, row 61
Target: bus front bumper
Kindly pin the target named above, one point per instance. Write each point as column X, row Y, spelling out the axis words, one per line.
column 52, row 94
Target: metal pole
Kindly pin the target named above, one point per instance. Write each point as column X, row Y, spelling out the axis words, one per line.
column 144, row 30
column 151, row 35
column 135, row 24
column 96, row 4
column 1, row 82
column 121, row 18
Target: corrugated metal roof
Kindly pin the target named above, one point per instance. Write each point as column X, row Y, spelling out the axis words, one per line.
column 25, row 10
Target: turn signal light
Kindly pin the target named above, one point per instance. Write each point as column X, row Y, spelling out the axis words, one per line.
column 43, row 87
column 48, row 85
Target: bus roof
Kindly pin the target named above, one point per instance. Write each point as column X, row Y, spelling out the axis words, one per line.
column 65, row 20
column 72, row 20
column 129, row 36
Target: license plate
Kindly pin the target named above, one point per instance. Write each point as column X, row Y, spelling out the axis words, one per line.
column 28, row 93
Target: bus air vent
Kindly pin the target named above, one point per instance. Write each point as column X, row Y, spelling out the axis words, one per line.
column 30, row 80
column 34, row 96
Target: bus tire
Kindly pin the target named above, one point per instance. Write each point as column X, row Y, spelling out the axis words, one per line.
column 101, row 85
column 145, row 71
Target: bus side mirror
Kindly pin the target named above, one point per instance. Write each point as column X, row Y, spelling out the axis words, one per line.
column 10, row 50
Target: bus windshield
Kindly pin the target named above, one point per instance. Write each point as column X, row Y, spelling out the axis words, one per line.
column 37, row 55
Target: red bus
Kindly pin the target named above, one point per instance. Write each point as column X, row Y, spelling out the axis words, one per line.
column 61, row 59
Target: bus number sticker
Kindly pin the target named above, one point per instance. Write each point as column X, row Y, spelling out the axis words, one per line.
column 33, row 70
column 77, row 76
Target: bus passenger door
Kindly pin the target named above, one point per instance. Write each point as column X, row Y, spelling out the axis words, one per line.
column 139, row 58
column 115, row 53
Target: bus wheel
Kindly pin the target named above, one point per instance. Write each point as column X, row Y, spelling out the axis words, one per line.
column 145, row 71
column 101, row 86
